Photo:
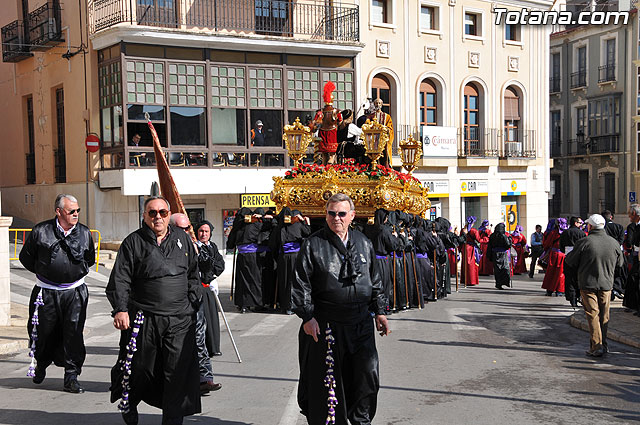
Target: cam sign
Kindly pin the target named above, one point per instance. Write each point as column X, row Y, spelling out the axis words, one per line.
column 439, row 141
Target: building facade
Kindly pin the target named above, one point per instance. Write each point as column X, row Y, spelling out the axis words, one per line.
column 207, row 71
column 593, row 93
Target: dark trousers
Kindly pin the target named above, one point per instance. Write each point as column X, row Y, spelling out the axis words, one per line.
column 356, row 374
column 164, row 369
column 535, row 254
column 61, row 322
column 204, row 363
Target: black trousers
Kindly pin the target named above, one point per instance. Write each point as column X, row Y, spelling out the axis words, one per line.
column 61, row 322
column 164, row 369
column 204, row 363
column 356, row 373
column 535, row 254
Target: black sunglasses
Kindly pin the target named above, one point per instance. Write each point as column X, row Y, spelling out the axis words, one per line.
column 71, row 212
column 154, row 213
column 341, row 214
column 186, row 228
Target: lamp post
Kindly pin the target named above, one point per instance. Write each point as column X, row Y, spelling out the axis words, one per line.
column 297, row 138
column 376, row 137
column 410, row 153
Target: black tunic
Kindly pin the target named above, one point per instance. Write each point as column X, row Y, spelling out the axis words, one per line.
column 384, row 244
column 161, row 281
column 286, row 241
column 632, row 291
column 211, row 265
column 248, row 274
column 499, row 248
column 340, row 287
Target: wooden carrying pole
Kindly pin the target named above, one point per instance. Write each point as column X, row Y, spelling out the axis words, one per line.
column 394, row 280
column 456, row 261
column 415, row 275
column 435, row 276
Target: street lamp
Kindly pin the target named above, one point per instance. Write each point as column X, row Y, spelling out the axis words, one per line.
column 297, row 138
column 376, row 137
column 410, row 153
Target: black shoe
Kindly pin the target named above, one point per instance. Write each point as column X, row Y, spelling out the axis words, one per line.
column 73, row 387
column 217, row 353
column 40, row 373
column 499, row 287
column 530, row 276
column 131, row 417
column 598, row 352
column 243, row 310
column 288, row 312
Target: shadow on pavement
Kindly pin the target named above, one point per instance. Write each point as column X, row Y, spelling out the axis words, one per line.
column 26, row 417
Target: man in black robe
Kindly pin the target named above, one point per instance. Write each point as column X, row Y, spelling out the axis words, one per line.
column 337, row 289
column 153, row 289
column 632, row 243
column 287, row 237
column 60, row 252
column 616, row 231
column 244, row 236
column 568, row 239
column 499, row 249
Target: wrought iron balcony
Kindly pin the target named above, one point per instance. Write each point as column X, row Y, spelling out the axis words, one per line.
column 579, row 79
column 579, row 146
column 45, row 29
column 556, row 148
column 311, row 20
column 518, row 144
column 605, row 144
column 31, row 168
column 554, row 85
column 14, row 44
column 607, row 73
column 478, row 142
column 60, row 162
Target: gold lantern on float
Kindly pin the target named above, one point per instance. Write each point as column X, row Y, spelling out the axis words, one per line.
column 410, row 153
column 297, row 138
column 376, row 137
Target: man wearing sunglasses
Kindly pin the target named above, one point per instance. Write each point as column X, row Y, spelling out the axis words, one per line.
column 156, row 275
column 60, row 252
column 336, row 292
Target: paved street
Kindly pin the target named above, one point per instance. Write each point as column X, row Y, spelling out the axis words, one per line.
column 481, row 356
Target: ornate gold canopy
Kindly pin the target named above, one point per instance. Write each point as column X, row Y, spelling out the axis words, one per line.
column 308, row 187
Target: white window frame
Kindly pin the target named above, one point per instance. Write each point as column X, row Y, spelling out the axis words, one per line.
column 518, row 42
column 479, row 22
column 391, row 9
column 603, row 53
column 437, row 19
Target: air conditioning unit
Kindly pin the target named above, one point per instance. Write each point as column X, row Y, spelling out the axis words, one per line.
column 513, row 148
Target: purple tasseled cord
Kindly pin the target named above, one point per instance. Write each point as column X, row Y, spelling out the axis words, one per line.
column 126, row 367
column 330, row 380
column 34, row 334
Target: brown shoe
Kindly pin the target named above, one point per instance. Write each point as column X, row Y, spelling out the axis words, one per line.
column 208, row 386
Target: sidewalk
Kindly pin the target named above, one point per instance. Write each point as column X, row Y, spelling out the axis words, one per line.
column 624, row 327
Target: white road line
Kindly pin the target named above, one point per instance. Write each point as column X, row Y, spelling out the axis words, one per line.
column 270, row 325
column 460, row 324
column 292, row 410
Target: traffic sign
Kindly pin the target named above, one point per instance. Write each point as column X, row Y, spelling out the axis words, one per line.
column 632, row 197
column 92, row 143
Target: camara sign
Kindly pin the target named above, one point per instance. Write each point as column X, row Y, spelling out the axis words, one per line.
column 439, row 141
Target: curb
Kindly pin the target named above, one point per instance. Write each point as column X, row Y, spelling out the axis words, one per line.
column 13, row 347
column 579, row 321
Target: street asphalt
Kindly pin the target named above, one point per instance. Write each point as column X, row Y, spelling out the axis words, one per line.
column 480, row 356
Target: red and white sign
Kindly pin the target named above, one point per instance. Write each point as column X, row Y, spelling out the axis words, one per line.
column 92, row 142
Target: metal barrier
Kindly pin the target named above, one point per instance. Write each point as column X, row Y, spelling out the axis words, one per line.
column 24, row 237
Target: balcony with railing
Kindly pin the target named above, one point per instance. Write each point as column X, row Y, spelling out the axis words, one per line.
column 31, row 168
column 556, row 148
column 607, row 73
column 518, row 144
column 14, row 43
column 478, row 142
column 577, row 146
column 554, row 85
column 304, row 19
column 60, row 164
column 579, row 79
column 604, row 144
column 45, row 29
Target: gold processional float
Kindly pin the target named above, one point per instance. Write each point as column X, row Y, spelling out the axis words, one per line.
column 307, row 187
